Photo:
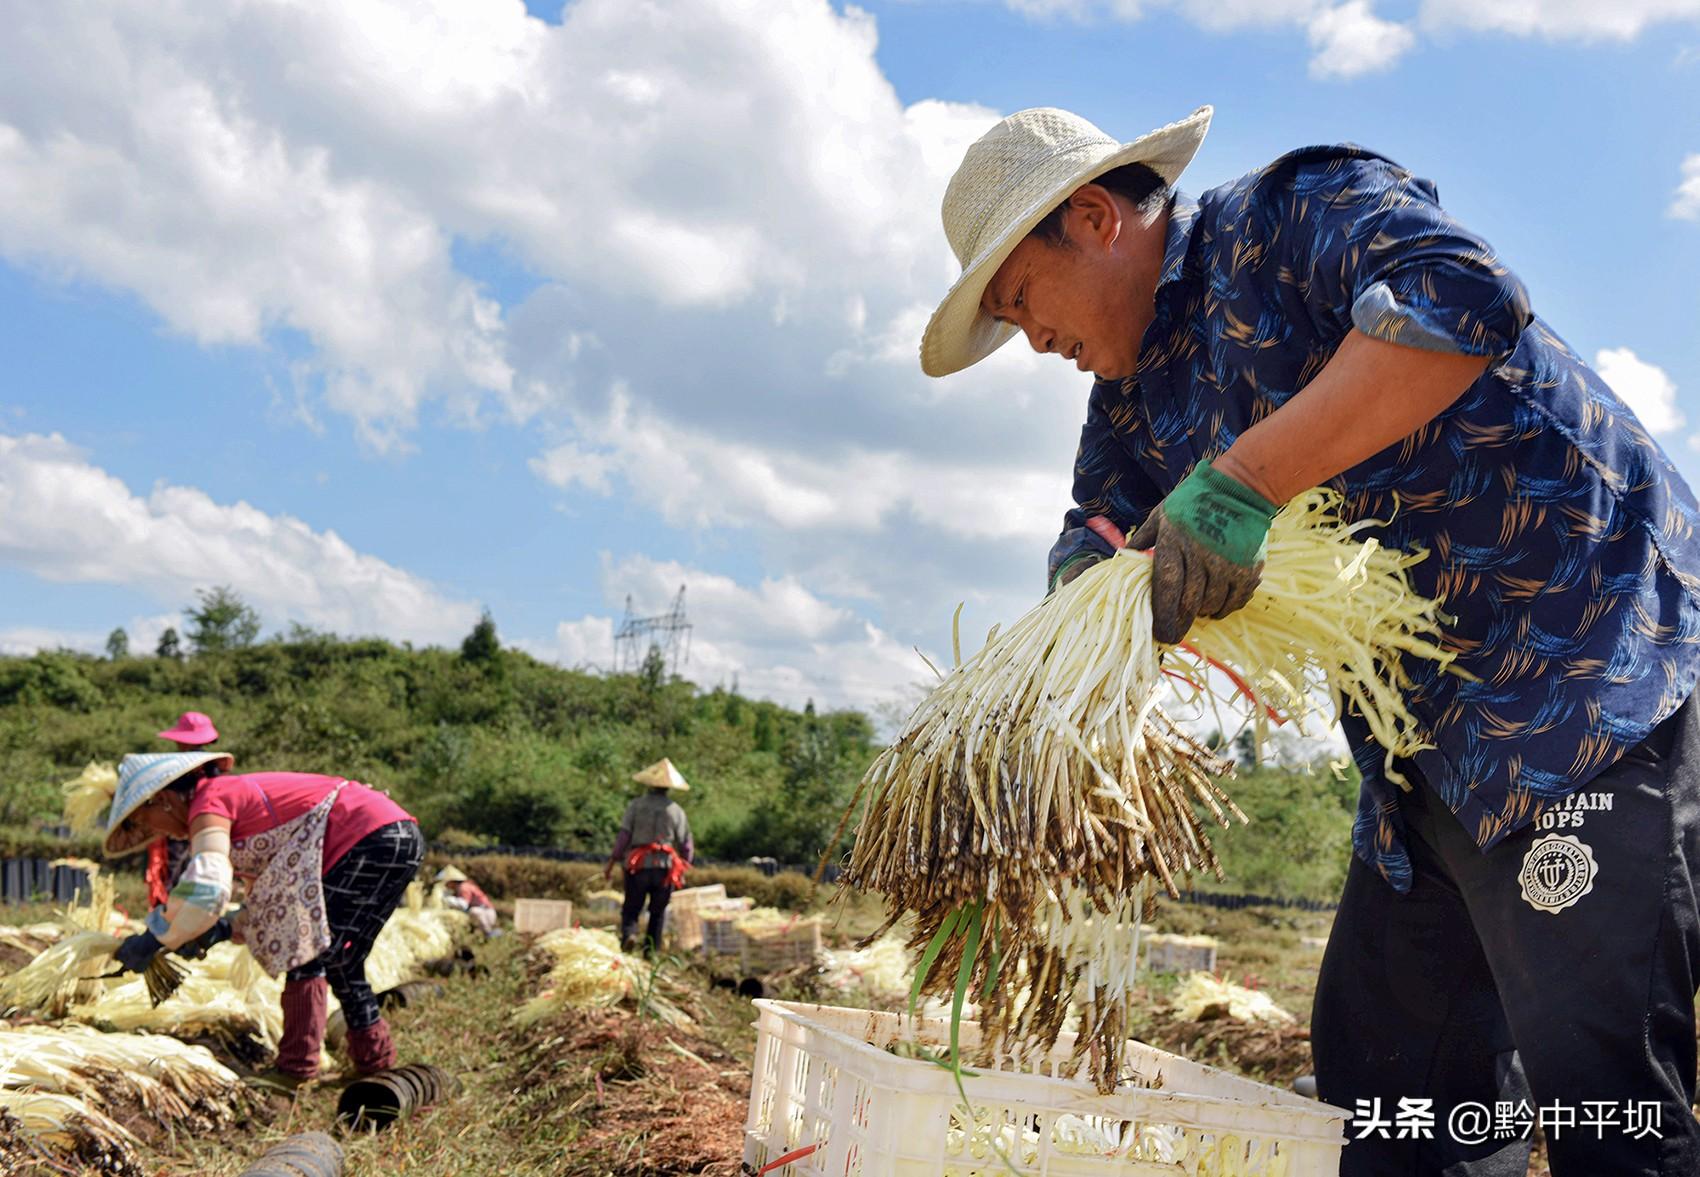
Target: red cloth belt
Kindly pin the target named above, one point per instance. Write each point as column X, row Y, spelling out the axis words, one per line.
column 676, row 868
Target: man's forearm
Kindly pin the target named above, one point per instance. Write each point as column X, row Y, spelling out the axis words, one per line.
column 1368, row 396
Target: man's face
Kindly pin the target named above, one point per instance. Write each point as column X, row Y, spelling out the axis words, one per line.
column 1089, row 299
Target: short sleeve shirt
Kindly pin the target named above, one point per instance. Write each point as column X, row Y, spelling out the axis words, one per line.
column 1561, row 541
column 258, row 801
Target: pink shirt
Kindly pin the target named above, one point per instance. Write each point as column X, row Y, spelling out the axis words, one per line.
column 473, row 894
column 255, row 802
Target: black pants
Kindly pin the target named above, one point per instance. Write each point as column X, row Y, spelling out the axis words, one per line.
column 361, row 892
column 649, row 883
column 1551, row 979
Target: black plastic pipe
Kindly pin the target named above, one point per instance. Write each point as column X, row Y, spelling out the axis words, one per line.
column 376, row 1101
column 306, row 1154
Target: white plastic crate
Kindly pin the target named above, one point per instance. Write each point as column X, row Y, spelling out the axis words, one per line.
column 771, row 950
column 691, row 897
column 1165, row 953
column 542, row 915
column 689, row 926
column 823, row 1076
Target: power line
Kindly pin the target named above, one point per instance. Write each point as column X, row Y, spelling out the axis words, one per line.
column 669, row 632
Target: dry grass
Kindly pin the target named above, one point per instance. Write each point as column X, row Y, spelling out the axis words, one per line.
column 590, row 1094
column 523, row 1108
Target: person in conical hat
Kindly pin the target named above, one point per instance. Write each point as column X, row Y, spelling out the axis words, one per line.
column 1522, row 910
column 654, row 848
column 465, row 895
column 327, row 859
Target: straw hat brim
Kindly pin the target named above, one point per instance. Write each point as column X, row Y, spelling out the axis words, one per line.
column 662, row 775
column 450, row 874
column 122, row 835
column 961, row 334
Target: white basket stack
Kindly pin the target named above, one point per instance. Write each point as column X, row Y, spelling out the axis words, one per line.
column 827, row 1076
column 768, row 948
column 687, row 907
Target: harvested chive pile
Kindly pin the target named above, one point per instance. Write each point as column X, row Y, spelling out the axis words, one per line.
column 1038, row 796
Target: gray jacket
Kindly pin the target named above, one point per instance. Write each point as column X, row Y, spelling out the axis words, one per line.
column 655, row 817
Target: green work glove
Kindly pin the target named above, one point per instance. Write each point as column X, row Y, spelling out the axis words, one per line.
column 1208, row 538
column 1074, row 566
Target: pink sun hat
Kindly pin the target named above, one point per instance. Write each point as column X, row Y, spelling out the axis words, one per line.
column 192, row 728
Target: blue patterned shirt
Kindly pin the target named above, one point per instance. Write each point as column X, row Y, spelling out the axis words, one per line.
column 1561, row 541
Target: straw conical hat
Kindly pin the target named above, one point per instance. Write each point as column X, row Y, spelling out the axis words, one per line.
column 662, row 775
column 140, row 776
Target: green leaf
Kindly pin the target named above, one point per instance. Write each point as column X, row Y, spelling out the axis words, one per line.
column 964, row 977
column 931, row 956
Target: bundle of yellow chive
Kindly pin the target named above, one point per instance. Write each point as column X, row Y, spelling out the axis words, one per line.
column 1037, row 798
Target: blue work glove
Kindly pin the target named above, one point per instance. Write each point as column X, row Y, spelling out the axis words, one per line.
column 1076, row 550
column 136, row 951
column 1207, row 538
column 197, row 948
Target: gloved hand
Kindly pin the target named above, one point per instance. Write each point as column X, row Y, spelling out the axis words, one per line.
column 136, row 951
column 1209, row 537
column 197, row 948
column 1076, row 550
column 1073, row 567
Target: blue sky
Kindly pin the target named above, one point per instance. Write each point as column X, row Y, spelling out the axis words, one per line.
column 383, row 312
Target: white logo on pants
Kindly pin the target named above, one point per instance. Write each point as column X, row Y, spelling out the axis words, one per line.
column 1557, row 871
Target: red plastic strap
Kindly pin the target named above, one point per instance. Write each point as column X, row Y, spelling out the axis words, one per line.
column 795, row 1154
column 1233, row 677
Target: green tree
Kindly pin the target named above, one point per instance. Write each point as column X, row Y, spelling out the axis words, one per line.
column 118, row 644
column 482, row 645
column 764, row 734
column 170, row 645
column 224, row 621
column 654, row 672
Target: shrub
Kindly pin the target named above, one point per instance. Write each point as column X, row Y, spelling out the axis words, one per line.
column 513, row 876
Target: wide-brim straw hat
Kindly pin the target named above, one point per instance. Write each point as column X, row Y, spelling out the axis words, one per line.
column 450, row 874
column 662, row 775
column 140, row 776
column 1008, row 181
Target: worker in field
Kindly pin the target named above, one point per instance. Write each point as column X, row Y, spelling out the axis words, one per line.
column 466, row 895
column 654, row 848
column 193, row 732
column 327, row 861
column 1519, row 933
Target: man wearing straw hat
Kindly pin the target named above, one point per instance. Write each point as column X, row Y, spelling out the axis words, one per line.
column 654, row 846
column 1522, row 924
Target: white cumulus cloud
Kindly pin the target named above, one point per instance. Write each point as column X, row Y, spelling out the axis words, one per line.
column 1350, row 40
column 1644, row 387
column 1347, row 40
column 1583, row 20
column 1686, row 203
column 69, row 521
column 778, row 639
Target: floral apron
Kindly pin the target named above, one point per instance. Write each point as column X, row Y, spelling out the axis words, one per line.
column 283, row 921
